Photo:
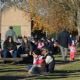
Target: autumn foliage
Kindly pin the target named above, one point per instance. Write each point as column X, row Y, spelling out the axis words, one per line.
column 50, row 15
column 53, row 18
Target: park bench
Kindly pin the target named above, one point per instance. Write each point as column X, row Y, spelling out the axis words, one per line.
column 22, row 58
column 11, row 59
column 18, row 59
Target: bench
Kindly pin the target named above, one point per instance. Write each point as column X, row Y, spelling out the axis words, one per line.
column 22, row 58
column 12, row 59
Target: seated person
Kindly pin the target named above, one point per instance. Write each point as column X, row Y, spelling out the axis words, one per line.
column 49, row 60
column 19, row 49
column 9, row 48
column 26, row 50
column 38, row 63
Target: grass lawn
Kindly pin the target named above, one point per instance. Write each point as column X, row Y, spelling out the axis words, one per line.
column 67, row 71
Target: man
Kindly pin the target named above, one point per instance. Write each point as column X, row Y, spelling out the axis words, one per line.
column 49, row 60
column 63, row 40
column 11, row 33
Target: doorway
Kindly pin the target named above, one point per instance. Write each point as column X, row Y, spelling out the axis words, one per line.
column 17, row 30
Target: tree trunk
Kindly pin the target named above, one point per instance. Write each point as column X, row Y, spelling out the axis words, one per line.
column 78, row 21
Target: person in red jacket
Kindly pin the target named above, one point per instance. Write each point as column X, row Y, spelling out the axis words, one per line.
column 72, row 48
column 38, row 63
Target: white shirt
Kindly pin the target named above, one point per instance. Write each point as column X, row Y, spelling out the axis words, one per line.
column 48, row 59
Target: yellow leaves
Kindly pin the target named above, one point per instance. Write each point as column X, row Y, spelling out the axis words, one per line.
column 40, row 25
column 57, row 16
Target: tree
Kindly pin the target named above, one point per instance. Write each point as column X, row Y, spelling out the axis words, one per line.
column 50, row 15
column 53, row 14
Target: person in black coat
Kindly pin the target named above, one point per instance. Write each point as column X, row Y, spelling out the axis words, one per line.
column 9, row 48
column 63, row 40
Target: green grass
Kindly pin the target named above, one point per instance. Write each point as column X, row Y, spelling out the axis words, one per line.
column 67, row 71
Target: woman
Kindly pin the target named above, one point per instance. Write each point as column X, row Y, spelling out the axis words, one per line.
column 9, row 48
column 26, row 47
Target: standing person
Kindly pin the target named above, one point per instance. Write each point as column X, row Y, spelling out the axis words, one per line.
column 11, row 33
column 49, row 61
column 72, row 48
column 63, row 40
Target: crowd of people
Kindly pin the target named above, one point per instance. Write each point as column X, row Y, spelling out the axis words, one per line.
column 14, row 46
column 40, row 52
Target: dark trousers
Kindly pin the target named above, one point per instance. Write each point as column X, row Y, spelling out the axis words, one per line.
column 7, row 54
column 20, row 51
column 50, row 67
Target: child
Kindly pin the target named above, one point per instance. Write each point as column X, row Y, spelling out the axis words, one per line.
column 72, row 48
column 38, row 62
column 49, row 61
column 40, row 44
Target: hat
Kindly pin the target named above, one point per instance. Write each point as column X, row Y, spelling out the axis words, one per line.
column 37, row 52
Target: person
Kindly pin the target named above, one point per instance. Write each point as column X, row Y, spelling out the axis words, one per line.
column 72, row 48
column 63, row 40
column 49, row 60
column 26, row 50
column 11, row 33
column 19, row 46
column 40, row 44
column 38, row 63
column 33, row 45
column 9, row 48
column 26, row 45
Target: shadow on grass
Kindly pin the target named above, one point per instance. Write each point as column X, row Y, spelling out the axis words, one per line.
column 59, row 74
column 11, row 77
column 66, row 72
column 66, row 62
column 13, row 70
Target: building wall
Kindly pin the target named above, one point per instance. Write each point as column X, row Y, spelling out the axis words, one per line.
column 15, row 17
